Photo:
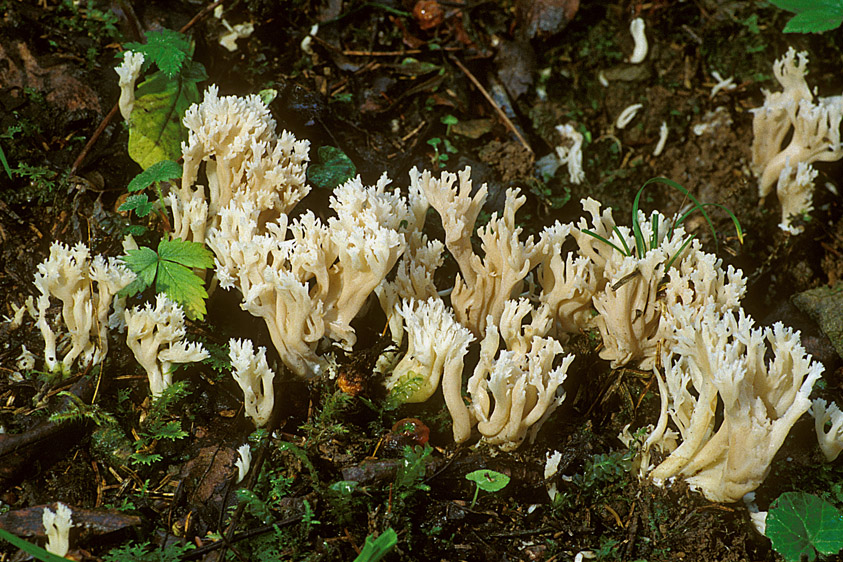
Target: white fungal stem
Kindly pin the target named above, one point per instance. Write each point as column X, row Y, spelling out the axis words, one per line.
column 639, row 52
column 627, row 115
column 662, row 139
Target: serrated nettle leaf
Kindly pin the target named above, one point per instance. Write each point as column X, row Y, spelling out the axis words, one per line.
column 334, row 168
column 165, row 170
column 155, row 129
column 138, row 203
column 166, row 48
column 189, row 254
column 800, row 524
column 144, row 263
column 182, row 286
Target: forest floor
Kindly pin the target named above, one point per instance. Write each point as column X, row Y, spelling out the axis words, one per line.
column 394, row 85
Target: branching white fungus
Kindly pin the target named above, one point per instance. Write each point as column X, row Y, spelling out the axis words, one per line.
column 627, row 115
column 244, row 462
column 718, row 354
column 814, row 131
column 570, row 153
column 70, row 275
column 831, row 440
column 57, row 525
column 128, row 71
column 155, row 336
column 254, row 376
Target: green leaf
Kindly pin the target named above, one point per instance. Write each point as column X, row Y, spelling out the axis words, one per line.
column 144, row 262
column 375, row 549
column 815, row 21
column 138, row 203
column 165, row 170
column 5, row 163
column 449, row 120
column 488, row 480
column 334, row 168
column 166, row 48
column 183, row 286
column 796, row 5
column 155, row 129
column 33, row 550
column 170, row 268
column 188, row 254
column 147, row 459
column 800, row 524
column 812, row 16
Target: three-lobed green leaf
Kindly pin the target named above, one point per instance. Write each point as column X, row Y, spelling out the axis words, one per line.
column 171, row 270
column 801, row 524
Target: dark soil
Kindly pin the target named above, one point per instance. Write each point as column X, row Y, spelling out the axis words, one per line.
column 57, row 85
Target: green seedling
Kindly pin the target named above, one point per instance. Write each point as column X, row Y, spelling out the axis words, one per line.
column 449, row 121
column 486, row 480
column 800, row 525
column 165, row 170
column 440, row 158
column 376, row 549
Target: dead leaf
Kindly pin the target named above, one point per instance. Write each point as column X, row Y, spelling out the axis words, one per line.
column 516, row 63
column 544, row 18
column 429, row 14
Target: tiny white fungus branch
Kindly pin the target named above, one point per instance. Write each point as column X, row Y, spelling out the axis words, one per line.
column 57, row 524
column 129, row 71
column 725, row 84
column 639, row 52
column 571, row 155
column 627, row 115
column 663, row 130
column 244, row 462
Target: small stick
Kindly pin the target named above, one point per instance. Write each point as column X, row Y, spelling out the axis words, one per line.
column 488, row 97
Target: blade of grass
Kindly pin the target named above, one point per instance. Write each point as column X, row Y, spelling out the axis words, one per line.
column 639, row 238
column 679, row 252
column 605, row 241
column 5, row 163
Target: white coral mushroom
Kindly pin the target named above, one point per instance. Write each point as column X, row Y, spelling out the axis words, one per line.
column 831, row 439
column 436, row 347
column 57, row 525
column 128, row 71
column 814, row 131
column 254, row 376
column 155, row 337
